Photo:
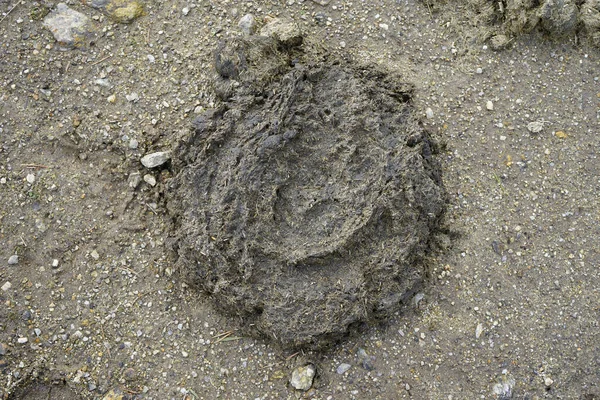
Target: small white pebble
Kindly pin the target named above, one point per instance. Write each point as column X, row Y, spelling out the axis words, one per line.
column 385, row 27
column 133, row 97
column 95, row 254
column 478, row 330
column 22, row 340
column 133, row 144
column 548, row 382
column 429, row 113
column 30, row 178
column 150, row 180
column 13, row 260
column 479, row 71
column 185, row 10
column 55, row 263
column 489, row 105
column 6, row 286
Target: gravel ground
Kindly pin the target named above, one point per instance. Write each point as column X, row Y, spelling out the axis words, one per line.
column 93, row 305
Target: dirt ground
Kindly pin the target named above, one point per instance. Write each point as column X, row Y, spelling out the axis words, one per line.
column 512, row 308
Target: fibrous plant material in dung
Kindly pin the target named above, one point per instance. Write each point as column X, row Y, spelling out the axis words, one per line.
column 305, row 203
column 556, row 18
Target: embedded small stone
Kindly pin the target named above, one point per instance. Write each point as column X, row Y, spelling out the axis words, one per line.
column 247, row 24
column 69, row 27
column 284, row 30
column 154, row 160
column 302, row 377
column 150, row 180
column 121, row 11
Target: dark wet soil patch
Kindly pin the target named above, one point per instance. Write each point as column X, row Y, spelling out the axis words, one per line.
column 306, row 202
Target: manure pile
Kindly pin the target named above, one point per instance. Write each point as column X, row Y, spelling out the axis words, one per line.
column 305, row 203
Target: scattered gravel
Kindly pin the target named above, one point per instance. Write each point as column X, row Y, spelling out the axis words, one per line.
column 64, row 117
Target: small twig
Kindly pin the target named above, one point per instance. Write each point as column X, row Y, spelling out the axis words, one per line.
column 229, row 339
column 102, row 59
column 223, row 334
column 9, row 11
column 223, row 337
column 129, row 270
column 34, row 166
column 131, row 391
column 150, row 208
column 288, row 358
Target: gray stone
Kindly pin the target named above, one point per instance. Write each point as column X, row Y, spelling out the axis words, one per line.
column 150, row 179
column 134, row 180
column 366, row 360
column 284, row 30
column 342, row 368
column 13, row 260
column 302, row 377
column 69, row 27
column 133, row 144
column 133, row 97
column 504, row 389
column 154, row 160
column 247, row 24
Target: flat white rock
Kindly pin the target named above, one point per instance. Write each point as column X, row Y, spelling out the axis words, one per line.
column 154, row 160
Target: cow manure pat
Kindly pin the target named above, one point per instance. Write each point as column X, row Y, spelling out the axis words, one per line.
column 305, row 203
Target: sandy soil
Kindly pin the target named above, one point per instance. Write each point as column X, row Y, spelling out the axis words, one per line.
column 512, row 307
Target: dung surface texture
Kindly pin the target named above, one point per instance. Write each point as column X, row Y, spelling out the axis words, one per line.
column 305, row 203
column 556, row 18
